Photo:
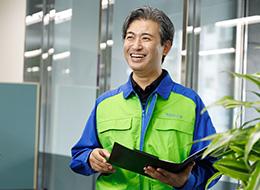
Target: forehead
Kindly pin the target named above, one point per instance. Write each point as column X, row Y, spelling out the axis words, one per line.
column 143, row 26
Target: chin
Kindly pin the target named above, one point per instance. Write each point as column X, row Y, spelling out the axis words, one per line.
column 136, row 67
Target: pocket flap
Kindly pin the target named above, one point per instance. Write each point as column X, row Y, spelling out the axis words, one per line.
column 117, row 124
column 174, row 124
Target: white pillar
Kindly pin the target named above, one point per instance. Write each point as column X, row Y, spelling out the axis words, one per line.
column 12, row 37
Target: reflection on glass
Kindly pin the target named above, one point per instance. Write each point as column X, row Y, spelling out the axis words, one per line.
column 73, row 72
column 216, row 58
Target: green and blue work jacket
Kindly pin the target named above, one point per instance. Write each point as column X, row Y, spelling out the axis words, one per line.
column 165, row 127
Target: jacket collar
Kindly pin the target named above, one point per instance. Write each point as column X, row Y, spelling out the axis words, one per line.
column 164, row 88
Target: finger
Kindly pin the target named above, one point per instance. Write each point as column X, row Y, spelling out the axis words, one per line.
column 165, row 173
column 171, row 175
column 97, row 167
column 189, row 167
column 104, row 153
column 149, row 170
column 98, row 155
column 154, row 173
column 103, row 169
column 98, row 162
column 103, row 165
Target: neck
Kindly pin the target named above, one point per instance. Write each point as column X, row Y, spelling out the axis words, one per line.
column 143, row 80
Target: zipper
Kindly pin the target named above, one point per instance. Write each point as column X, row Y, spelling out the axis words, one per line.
column 146, row 117
column 144, row 126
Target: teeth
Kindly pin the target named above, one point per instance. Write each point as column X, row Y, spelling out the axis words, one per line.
column 137, row 55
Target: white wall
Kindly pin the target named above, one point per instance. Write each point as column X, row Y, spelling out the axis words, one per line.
column 12, row 35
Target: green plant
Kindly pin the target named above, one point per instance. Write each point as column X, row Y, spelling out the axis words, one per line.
column 238, row 149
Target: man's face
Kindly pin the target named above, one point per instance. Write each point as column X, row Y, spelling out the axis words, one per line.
column 142, row 46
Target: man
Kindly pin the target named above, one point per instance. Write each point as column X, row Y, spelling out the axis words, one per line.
column 150, row 112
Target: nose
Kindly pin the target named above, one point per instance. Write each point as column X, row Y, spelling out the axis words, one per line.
column 137, row 44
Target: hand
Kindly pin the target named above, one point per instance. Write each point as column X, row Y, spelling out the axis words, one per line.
column 98, row 162
column 173, row 179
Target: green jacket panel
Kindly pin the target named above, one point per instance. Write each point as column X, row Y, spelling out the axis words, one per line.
column 168, row 133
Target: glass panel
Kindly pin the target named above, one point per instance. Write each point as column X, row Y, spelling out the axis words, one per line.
column 33, row 40
column 72, row 95
column 219, row 53
column 119, row 68
column 216, row 57
column 73, row 71
column 253, row 56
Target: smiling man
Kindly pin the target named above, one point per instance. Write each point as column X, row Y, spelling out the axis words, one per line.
column 150, row 113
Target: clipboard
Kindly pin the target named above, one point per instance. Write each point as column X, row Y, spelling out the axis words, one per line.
column 136, row 160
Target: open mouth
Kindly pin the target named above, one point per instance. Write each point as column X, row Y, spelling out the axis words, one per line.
column 137, row 56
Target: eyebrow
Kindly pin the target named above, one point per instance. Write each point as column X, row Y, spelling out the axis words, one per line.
column 142, row 34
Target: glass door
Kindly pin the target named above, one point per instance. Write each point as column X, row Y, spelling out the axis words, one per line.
column 217, row 56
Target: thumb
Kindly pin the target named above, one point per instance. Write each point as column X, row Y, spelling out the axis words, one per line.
column 189, row 167
column 104, row 153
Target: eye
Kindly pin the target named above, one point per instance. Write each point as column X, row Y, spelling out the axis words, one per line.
column 129, row 37
column 146, row 38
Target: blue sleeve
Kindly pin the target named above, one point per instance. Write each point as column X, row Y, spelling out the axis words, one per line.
column 203, row 169
column 82, row 149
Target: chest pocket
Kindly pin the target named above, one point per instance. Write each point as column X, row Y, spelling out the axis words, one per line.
column 176, row 125
column 174, row 136
column 118, row 130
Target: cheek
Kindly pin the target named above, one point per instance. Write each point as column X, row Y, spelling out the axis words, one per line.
column 125, row 52
column 125, row 48
column 159, row 50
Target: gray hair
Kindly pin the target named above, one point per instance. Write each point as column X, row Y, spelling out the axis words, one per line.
column 154, row 14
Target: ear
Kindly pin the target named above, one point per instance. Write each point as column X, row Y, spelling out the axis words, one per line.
column 167, row 46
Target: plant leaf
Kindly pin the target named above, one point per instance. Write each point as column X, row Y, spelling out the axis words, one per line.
column 233, row 168
column 208, row 138
column 254, row 179
column 233, row 173
column 254, row 157
column 215, row 176
column 219, row 142
column 255, row 78
column 238, row 149
column 256, row 147
column 222, row 152
column 249, row 122
column 256, row 93
column 231, row 163
column 229, row 103
column 254, row 138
